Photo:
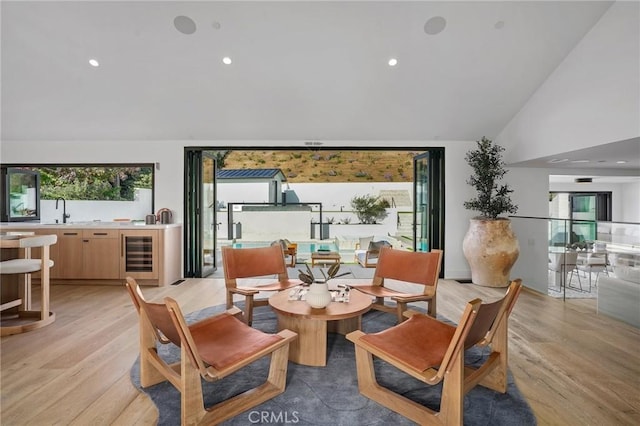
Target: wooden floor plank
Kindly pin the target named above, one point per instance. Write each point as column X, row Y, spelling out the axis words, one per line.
column 572, row 365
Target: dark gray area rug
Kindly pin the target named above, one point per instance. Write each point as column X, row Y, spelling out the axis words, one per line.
column 329, row 395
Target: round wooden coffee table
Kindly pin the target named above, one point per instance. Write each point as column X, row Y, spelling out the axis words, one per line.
column 312, row 325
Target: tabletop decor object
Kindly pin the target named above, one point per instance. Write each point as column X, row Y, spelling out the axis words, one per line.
column 318, row 296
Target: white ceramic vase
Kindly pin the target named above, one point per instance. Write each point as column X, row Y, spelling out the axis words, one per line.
column 318, row 295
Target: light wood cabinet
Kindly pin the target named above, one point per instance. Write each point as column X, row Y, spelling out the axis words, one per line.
column 107, row 255
column 87, row 254
column 100, row 258
column 68, row 264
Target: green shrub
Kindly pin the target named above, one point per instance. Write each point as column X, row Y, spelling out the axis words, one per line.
column 369, row 208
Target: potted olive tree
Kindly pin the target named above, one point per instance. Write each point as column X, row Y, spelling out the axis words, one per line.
column 490, row 246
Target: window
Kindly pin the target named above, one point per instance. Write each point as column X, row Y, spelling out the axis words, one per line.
column 96, row 192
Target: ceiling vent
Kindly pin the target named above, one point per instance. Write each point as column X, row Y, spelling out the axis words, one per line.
column 584, row 180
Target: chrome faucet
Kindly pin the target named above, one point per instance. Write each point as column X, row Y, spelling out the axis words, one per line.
column 64, row 209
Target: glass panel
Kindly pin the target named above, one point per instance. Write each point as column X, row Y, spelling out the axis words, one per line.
column 583, row 213
column 192, row 253
column 100, row 192
column 570, row 270
column 139, row 254
column 21, row 193
column 421, row 196
column 208, row 217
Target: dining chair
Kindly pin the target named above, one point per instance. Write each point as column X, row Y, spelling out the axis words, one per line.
column 563, row 264
column 420, row 269
column 210, row 349
column 590, row 263
column 259, row 263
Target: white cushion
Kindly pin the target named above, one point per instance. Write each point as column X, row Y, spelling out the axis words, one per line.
column 361, row 256
column 38, row 240
column 364, row 242
column 21, row 266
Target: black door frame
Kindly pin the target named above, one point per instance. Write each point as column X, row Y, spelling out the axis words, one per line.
column 193, row 200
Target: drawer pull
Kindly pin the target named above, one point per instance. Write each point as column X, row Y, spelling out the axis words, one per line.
column 100, row 233
column 70, row 233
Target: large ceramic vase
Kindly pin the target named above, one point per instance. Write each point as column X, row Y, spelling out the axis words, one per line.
column 318, row 296
column 491, row 248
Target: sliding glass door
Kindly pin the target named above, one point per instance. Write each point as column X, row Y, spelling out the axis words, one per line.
column 428, row 174
column 200, row 213
column 583, row 209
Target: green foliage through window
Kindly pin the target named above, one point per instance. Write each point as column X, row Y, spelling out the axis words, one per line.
column 93, row 183
column 369, row 208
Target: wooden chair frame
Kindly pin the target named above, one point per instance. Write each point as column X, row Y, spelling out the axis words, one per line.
column 186, row 374
column 251, row 263
column 493, row 333
column 418, row 268
column 481, row 325
column 27, row 318
column 450, row 371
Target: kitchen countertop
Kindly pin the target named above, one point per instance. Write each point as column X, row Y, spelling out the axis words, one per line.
column 86, row 225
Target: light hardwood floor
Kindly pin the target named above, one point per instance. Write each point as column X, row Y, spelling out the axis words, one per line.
column 575, row 367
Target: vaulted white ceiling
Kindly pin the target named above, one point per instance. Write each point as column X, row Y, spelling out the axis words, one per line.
column 300, row 70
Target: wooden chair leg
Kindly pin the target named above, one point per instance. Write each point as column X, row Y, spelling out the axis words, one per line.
column 369, row 387
column 493, row 373
column 452, row 401
column 497, row 379
column 278, row 368
column 152, row 368
column 400, row 308
column 273, row 386
column 191, row 399
column 431, row 307
column 248, row 309
column 378, row 301
column 229, row 299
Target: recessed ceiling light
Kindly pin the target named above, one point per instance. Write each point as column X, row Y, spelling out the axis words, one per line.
column 558, row 160
column 499, row 25
column 226, row 60
column 393, row 62
column 621, row 162
column 579, row 161
column 94, row 62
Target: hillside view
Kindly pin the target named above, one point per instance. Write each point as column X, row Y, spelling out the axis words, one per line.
column 321, row 166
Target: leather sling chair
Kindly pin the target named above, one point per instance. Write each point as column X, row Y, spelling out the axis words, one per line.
column 211, row 349
column 421, row 269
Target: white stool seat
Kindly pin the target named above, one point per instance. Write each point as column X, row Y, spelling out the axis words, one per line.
column 26, row 319
column 21, row 266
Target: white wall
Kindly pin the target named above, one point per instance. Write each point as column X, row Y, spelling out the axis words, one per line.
column 592, row 98
column 243, row 192
column 630, row 192
column 169, row 176
column 104, row 211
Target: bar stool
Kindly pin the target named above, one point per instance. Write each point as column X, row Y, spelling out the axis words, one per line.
column 28, row 319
